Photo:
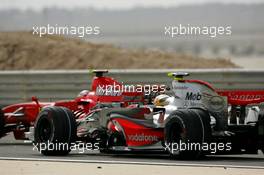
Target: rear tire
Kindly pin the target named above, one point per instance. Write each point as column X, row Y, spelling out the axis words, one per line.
column 2, row 123
column 55, row 131
column 187, row 126
column 261, row 130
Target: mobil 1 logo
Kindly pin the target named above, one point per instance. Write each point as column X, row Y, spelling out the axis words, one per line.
column 193, row 96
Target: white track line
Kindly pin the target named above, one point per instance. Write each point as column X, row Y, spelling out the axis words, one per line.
column 132, row 163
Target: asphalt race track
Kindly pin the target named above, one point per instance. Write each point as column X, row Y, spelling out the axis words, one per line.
column 18, row 150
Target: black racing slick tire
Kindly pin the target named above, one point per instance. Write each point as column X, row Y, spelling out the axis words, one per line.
column 2, row 124
column 261, row 130
column 185, row 131
column 55, row 131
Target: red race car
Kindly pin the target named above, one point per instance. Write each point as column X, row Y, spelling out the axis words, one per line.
column 18, row 118
column 190, row 120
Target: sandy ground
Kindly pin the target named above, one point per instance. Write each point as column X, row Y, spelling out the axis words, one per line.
column 249, row 63
column 22, row 50
column 40, row 167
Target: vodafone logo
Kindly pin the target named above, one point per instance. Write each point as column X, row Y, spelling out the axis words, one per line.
column 143, row 138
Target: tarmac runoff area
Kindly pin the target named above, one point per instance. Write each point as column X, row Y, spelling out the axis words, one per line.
column 17, row 157
column 15, row 167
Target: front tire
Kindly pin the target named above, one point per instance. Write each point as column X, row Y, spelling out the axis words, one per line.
column 55, row 131
column 2, row 123
column 184, row 127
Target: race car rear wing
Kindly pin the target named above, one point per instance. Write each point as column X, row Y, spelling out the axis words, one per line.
column 243, row 97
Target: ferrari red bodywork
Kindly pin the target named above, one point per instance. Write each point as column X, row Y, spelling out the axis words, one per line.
column 19, row 117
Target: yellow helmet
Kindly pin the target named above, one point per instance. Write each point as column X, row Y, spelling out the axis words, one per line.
column 161, row 100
